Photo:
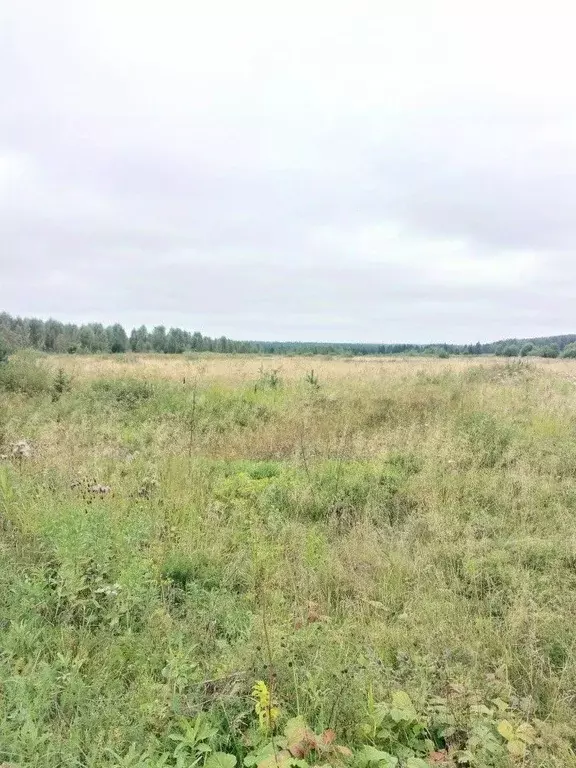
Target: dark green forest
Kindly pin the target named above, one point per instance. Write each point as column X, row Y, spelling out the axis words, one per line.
column 54, row 336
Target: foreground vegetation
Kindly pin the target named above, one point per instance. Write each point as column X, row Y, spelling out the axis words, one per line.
column 246, row 562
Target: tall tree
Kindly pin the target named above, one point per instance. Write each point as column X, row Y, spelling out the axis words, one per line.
column 117, row 339
column 158, row 339
column 52, row 331
column 87, row 339
column 139, row 339
column 197, row 341
column 175, row 341
column 36, row 333
column 100, row 338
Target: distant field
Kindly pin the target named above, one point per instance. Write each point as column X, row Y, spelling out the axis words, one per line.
column 235, row 369
column 389, row 544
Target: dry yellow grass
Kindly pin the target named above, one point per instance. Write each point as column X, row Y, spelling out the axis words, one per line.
column 240, row 369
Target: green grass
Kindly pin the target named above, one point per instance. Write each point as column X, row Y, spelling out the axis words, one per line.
column 410, row 533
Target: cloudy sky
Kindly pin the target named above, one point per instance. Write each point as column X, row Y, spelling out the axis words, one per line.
column 391, row 170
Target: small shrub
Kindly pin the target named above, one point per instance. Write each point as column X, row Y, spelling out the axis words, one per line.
column 338, row 491
column 312, row 379
column 128, row 393
column 409, row 737
column 221, row 412
column 517, row 368
column 263, row 470
column 80, row 594
column 268, row 379
column 60, row 385
column 397, row 728
column 179, row 570
column 24, row 373
column 406, row 463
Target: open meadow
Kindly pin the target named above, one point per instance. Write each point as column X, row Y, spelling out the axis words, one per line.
column 231, row 560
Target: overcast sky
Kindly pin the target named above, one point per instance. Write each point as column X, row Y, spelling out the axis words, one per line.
column 329, row 170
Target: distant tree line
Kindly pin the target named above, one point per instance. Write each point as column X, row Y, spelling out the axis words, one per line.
column 54, row 336
column 550, row 346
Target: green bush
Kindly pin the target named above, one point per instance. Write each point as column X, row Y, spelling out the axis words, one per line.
column 60, row 385
column 550, row 351
column 340, row 491
column 569, row 351
column 24, row 373
column 221, row 411
column 124, row 392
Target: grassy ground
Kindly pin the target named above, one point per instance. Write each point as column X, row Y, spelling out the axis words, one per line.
column 390, row 548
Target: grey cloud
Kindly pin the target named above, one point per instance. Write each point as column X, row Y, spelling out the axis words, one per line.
column 184, row 178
